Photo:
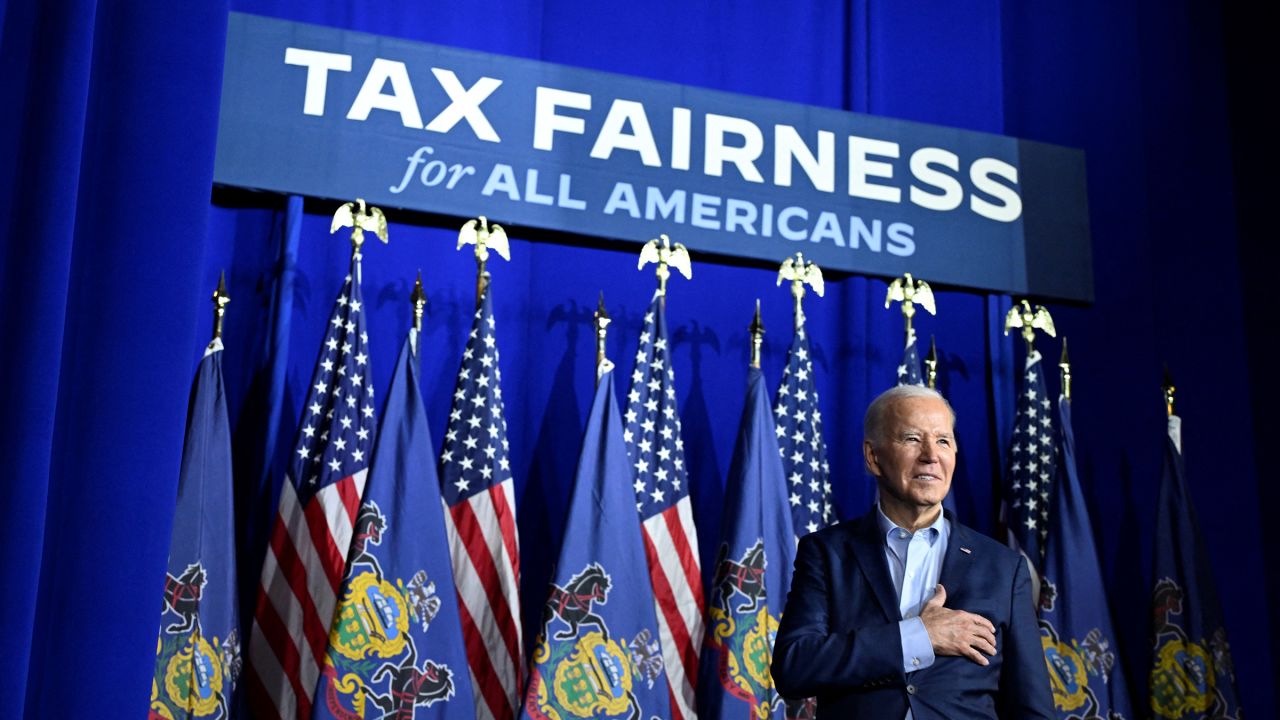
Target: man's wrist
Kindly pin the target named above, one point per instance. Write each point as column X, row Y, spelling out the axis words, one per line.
column 917, row 648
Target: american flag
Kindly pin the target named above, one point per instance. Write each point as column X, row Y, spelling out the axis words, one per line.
column 475, row 475
column 909, row 371
column 1032, row 464
column 653, row 441
column 306, row 557
column 804, row 453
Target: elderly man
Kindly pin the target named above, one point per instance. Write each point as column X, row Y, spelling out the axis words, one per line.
column 904, row 612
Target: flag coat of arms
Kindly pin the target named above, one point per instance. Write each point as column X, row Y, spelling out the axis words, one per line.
column 319, row 504
column 752, row 574
column 198, row 652
column 396, row 647
column 1085, row 672
column 598, row 653
column 800, row 443
column 1192, row 675
column 1032, row 466
column 476, row 481
column 661, row 486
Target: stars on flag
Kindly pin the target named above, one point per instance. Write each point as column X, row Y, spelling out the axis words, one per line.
column 338, row 423
column 1033, row 459
column 799, row 431
column 475, row 444
column 652, row 430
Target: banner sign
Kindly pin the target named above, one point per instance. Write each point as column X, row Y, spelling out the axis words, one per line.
column 335, row 114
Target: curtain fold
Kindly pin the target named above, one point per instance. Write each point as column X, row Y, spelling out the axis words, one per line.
column 42, row 134
column 104, row 218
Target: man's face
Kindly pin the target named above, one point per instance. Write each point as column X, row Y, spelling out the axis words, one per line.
column 914, row 459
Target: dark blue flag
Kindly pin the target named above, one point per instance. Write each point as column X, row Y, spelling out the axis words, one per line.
column 1032, row 465
column 909, row 372
column 198, row 653
column 1075, row 620
column 800, row 443
column 1191, row 671
column 598, row 654
column 395, row 649
column 753, row 572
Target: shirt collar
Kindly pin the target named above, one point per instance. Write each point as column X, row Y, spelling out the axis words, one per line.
column 890, row 530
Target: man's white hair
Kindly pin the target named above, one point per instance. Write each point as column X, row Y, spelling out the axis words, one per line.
column 873, row 422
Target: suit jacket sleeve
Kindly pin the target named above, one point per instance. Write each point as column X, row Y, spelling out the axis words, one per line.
column 811, row 657
column 1024, row 687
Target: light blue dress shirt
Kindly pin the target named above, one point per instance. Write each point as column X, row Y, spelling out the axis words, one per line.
column 915, row 563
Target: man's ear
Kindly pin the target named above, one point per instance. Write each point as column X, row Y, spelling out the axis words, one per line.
column 869, row 458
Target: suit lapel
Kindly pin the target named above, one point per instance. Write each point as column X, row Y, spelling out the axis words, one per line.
column 868, row 548
column 956, row 563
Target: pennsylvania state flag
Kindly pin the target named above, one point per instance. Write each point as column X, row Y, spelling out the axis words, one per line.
column 395, row 647
column 752, row 574
column 598, row 654
column 1075, row 621
column 198, row 653
column 1191, row 671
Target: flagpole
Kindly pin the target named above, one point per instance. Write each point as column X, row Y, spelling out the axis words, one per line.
column 1064, row 367
column 801, row 272
column 601, row 319
column 485, row 236
column 667, row 255
column 220, row 301
column 757, row 337
column 419, row 300
column 931, row 364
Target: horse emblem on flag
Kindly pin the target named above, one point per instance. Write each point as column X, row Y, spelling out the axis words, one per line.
column 590, row 674
column 373, row 657
column 572, row 603
column 743, row 632
column 196, row 673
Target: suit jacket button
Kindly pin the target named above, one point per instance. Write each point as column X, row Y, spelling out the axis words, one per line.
column 911, row 689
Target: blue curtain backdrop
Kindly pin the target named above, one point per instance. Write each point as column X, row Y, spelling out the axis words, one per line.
column 114, row 237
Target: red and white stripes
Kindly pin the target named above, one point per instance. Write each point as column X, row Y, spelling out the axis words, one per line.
column 671, row 546
column 301, row 578
column 485, row 550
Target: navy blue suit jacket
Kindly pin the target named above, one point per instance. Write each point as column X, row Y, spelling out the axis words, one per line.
column 839, row 638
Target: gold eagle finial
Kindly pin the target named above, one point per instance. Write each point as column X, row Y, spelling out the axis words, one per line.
column 1021, row 315
column 359, row 217
column 667, row 255
column 910, row 292
column 485, row 236
column 801, row 272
